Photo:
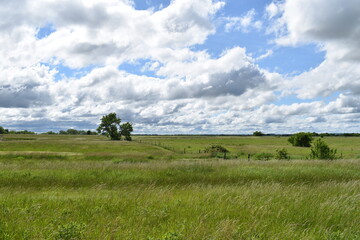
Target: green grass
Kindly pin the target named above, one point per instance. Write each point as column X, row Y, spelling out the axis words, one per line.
column 348, row 147
column 86, row 187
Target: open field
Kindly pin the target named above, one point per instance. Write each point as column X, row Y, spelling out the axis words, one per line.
column 156, row 187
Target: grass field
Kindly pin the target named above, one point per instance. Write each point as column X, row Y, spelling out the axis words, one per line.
column 165, row 187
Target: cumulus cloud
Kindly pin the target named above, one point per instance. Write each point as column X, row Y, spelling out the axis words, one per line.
column 26, row 87
column 336, row 30
column 188, row 90
column 231, row 74
column 106, row 34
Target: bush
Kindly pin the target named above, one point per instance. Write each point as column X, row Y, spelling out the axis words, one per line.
column 301, row 139
column 320, row 150
column 263, row 156
column 215, row 149
column 282, row 154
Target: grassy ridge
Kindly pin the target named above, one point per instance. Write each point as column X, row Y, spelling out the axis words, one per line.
column 61, row 187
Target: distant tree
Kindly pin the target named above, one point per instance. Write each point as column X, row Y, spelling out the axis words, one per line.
column 77, row 132
column 2, row 130
column 258, row 133
column 320, row 150
column 72, row 131
column 21, row 132
column 89, row 132
column 301, row 139
column 110, row 126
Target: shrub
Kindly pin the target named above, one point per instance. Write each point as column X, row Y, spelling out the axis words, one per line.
column 263, row 156
column 301, row 139
column 282, row 154
column 320, row 150
column 215, row 149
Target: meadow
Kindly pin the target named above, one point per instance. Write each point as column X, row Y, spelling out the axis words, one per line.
column 166, row 187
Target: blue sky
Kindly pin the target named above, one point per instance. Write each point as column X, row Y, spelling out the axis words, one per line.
column 181, row 66
column 286, row 60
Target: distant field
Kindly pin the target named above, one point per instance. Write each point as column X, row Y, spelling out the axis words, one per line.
column 166, row 187
column 166, row 147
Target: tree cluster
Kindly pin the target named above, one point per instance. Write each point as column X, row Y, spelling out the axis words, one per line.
column 77, row 132
column 111, row 127
column 258, row 133
column 7, row 131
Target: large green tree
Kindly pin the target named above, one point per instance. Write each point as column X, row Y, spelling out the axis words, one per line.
column 110, row 126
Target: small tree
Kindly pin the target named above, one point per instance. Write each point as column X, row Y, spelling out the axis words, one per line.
column 320, row 150
column 110, row 126
column 301, row 139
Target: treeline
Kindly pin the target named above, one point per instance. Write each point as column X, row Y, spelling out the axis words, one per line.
column 62, row 132
column 73, row 132
column 337, row 134
column 314, row 134
column 7, row 131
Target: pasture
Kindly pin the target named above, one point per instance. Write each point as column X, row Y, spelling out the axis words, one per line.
column 166, row 187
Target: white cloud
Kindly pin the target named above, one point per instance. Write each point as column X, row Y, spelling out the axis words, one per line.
column 273, row 9
column 334, row 26
column 106, row 32
column 244, row 23
column 190, row 90
column 268, row 53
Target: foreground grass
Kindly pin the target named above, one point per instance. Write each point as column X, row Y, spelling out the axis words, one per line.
column 58, row 187
column 251, row 211
column 180, row 200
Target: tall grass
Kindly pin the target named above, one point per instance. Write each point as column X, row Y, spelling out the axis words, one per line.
column 91, row 188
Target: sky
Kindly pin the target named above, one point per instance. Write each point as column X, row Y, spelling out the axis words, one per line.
column 181, row 66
